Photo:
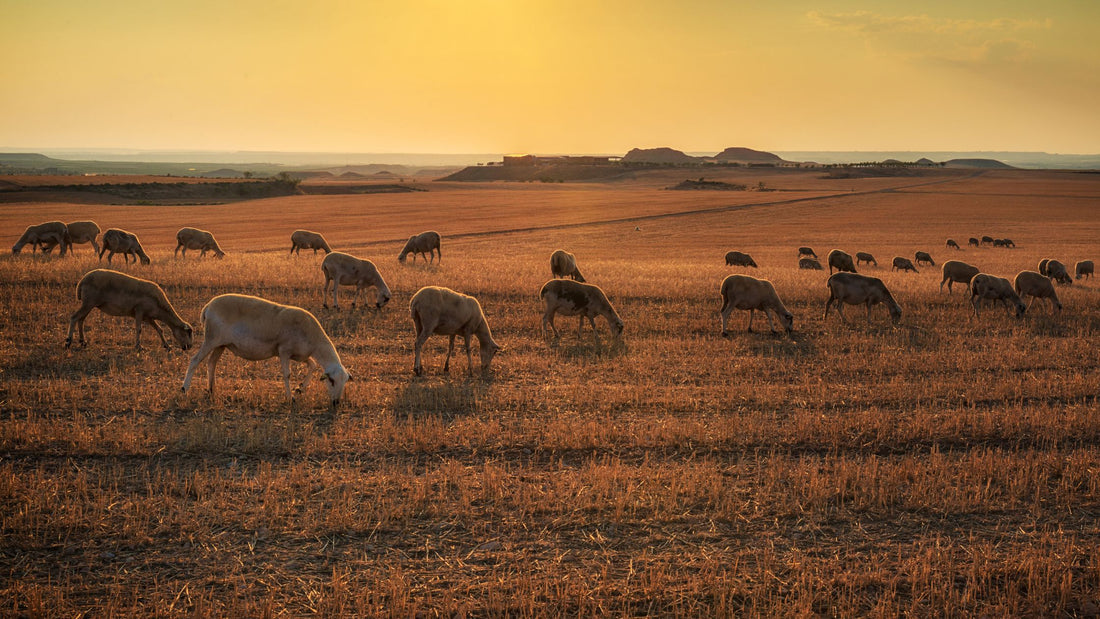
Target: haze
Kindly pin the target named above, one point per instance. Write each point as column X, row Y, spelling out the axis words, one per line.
column 550, row 76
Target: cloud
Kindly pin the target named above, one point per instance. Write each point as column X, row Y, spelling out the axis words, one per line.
column 874, row 23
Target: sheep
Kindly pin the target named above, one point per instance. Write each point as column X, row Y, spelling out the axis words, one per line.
column 987, row 240
column 841, row 261
column 571, row 298
column 739, row 259
column 345, row 270
column 999, row 243
column 122, row 242
column 193, row 238
column 809, row 263
column 990, row 287
column 973, row 242
column 1084, row 269
column 749, row 293
column 1037, row 286
column 564, row 264
column 441, row 310
column 903, row 264
column 923, row 256
column 118, row 294
column 806, row 251
column 1008, row 243
column 862, row 256
column 1057, row 272
column 423, row 243
column 952, row 243
column 957, row 271
column 304, row 239
column 854, row 289
column 46, row 234
column 79, row 232
column 256, row 329
column 1043, row 266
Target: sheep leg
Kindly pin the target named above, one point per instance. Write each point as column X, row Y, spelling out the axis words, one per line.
column 548, row 319
column 1033, row 303
column 726, row 311
column 469, row 357
column 771, row 324
column 205, row 350
column 305, row 379
column 592, row 319
column 840, row 310
column 421, row 337
column 177, row 251
column 355, row 299
column 101, row 252
column 976, row 301
column 138, row 319
column 869, row 311
column 828, row 303
column 291, row 249
column 580, row 326
column 284, row 367
column 159, row 331
column 324, row 293
column 752, row 313
column 77, row 320
column 450, row 349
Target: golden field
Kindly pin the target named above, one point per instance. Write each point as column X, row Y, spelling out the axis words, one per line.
column 946, row 466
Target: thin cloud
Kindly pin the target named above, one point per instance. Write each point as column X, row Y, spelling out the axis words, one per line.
column 875, row 23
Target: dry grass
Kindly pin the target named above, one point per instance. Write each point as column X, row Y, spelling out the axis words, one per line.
column 949, row 466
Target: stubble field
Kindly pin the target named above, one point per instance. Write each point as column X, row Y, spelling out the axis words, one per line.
column 946, row 466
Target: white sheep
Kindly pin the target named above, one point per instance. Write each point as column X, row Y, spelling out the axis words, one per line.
column 1057, row 272
column 438, row 310
column 749, row 293
column 992, row 288
column 570, row 298
column 1036, row 286
column 957, row 271
column 117, row 241
column 193, row 238
column 118, row 294
column 564, row 264
column 346, row 270
column 856, row 289
column 841, row 261
column 257, row 329
column 423, row 243
column 42, row 235
column 80, row 232
column 304, row 239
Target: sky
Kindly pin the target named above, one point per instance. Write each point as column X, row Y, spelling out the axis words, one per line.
column 550, row 76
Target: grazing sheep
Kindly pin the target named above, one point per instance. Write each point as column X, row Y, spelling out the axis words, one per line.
column 973, row 242
column 923, row 256
column 987, row 240
column 739, row 259
column 564, row 264
column 854, row 289
column 841, row 261
column 749, row 293
column 446, row 312
column 862, row 256
column 256, row 329
column 118, row 294
column 423, row 243
column 809, row 263
column 1057, row 272
column 1008, row 243
column 345, row 270
column 903, row 264
column 1084, row 269
column 193, row 238
column 952, row 243
column 1043, row 266
column 806, row 251
column 79, row 232
column 571, row 298
column 1037, row 286
column 47, row 234
column 304, row 239
column 992, row 288
column 957, row 271
column 998, row 243
column 122, row 242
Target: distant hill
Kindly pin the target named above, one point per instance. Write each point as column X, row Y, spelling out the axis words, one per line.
column 661, row 155
column 988, row 164
column 223, row 173
column 748, row 155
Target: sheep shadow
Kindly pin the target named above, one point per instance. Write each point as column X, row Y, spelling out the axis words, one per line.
column 446, row 398
column 587, row 348
column 777, row 345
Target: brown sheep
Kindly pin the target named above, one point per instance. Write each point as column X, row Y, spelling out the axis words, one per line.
column 749, row 293
column 999, row 243
column 345, row 270
column 426, row 244
column 806, row 251
column 809, row 263
column 193, row 238
column 1084, row 269
column 42, row 235
column 973, row 242
column 571, row 298
column 79, row 232
column 1008, row 243
column 840, row 260
column 903, row 264
column 952, row 243
column 957, row 271
column 304, row 239
column 1036, row 286
column 987, row 240
column 992, row 288
column 446, row 312
column 923, row 256
column 564, row 264
column 862, row 256
column 256, row 329
column 739, row 259
column 1057, row 272
column 856, row 289
column 118, row 294
column 117, row 241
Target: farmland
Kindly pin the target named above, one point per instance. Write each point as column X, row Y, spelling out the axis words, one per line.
column 948, row 465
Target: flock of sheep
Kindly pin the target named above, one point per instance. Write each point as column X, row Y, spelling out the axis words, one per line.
column 254, row 328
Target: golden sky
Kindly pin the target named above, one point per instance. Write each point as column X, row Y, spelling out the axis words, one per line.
column 553, row 76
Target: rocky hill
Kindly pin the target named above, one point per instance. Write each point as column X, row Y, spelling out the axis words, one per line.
column 747, row 155
column 663, row 155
